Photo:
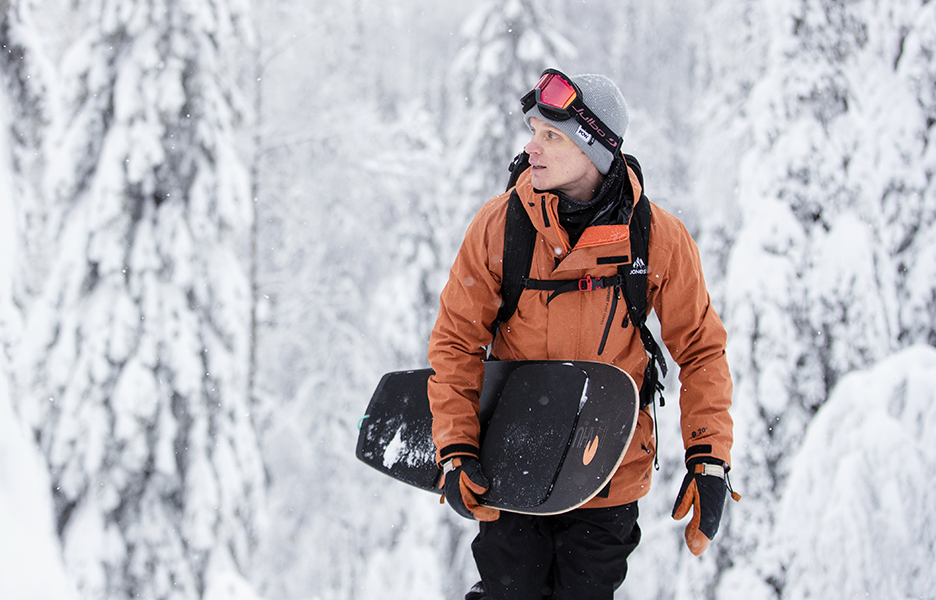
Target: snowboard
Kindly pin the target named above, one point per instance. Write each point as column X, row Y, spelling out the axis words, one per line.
column 552, row 432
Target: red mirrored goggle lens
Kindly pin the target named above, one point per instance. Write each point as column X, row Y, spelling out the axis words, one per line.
column 555, row 91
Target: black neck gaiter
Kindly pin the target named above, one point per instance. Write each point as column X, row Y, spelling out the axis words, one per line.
column 611, row 205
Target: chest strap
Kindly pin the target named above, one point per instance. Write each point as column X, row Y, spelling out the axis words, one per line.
column 561, row 286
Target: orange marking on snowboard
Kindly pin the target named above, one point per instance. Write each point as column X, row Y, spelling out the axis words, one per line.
column 590, row 451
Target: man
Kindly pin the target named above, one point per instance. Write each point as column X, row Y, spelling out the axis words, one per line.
column 579, row 193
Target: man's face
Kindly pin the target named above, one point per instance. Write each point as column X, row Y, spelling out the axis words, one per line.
column 557, row 163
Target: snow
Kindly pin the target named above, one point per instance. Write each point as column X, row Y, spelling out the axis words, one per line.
column 854, row 486
column 395, row 448
column 795, row 139
column 7, row 220
column 31, row 566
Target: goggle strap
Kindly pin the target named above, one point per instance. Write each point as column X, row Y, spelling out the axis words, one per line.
column 590, row 122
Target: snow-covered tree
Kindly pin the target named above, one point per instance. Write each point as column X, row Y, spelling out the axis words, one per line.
column 836, row 209
column 132, row 369
column 342, row 170
column 506, row 46
column 30, row 560
column 903, row 172
column 855, row 518
column 794, row 137
column 28, row 85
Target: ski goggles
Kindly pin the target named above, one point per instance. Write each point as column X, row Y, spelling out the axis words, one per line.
column 559, row 99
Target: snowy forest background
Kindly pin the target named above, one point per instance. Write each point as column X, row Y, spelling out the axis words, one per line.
column 221, row 221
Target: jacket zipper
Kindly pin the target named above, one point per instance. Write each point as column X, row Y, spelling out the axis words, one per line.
column 564, row 249
column 607, row 330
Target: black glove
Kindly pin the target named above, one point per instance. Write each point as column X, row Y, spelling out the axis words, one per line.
column 464, row 479
column 703, row 488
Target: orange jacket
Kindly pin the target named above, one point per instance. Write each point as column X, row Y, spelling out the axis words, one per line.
column 572, row 325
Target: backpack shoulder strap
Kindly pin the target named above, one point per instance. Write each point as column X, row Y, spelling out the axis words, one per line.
column 635, row 274
column 519, row 241
column 520, row 163
column 635, row 290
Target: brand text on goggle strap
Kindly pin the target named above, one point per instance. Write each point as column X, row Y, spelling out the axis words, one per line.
column 591, row 122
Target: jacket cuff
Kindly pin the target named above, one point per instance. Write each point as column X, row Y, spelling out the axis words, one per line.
column 702, row 453
column 453, row 450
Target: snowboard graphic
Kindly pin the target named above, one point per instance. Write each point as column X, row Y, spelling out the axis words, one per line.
column 552, row 432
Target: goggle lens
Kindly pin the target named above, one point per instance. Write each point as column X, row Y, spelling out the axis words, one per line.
column 555, row 91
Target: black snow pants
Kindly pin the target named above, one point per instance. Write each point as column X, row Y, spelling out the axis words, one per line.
column 572, row 556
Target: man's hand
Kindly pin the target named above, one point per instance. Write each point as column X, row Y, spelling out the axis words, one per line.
column 464, row 479
column 703, row 489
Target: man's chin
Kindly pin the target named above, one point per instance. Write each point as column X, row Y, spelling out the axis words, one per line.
column 539, row 181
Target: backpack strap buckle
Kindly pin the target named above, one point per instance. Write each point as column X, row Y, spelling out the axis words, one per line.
column 587, row 284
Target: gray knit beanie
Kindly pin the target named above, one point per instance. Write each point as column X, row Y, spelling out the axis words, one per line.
column 605, row 100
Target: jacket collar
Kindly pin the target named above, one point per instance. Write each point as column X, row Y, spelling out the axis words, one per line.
column 543, row 209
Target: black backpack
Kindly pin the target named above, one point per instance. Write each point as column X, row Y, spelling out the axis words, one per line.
column 519, row 241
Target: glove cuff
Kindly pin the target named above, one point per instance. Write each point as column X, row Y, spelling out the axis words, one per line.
column 701, row 455
column 450, row 464
column 708, row 465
